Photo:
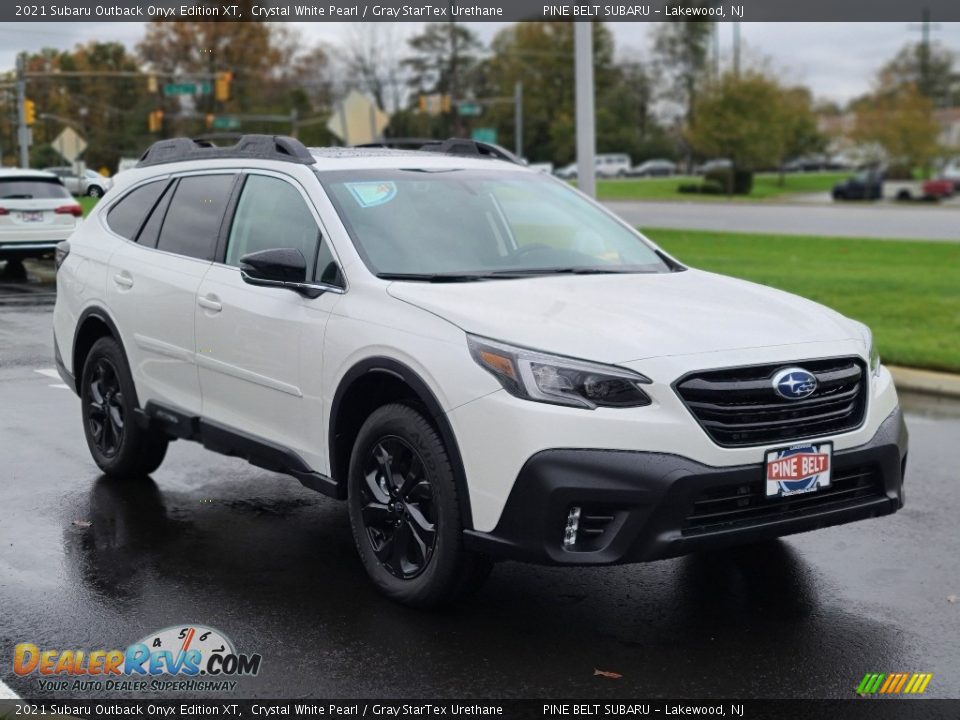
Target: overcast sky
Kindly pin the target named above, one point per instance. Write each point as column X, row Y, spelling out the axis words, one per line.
column 837, row 60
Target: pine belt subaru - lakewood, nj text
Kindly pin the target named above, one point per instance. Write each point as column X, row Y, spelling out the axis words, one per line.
column 482, row 361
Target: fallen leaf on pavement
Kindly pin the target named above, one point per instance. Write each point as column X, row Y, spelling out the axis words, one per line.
column 607, row 674
column 82, row 523
column 953, row 598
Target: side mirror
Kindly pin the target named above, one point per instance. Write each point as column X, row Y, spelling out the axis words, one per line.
column 281, row 268
column 274, row 265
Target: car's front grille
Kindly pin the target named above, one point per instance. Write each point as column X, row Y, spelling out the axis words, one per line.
column 739, row 406
column 744, row 504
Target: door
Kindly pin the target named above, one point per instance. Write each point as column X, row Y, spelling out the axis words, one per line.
column 152, row 287
column 255, row 344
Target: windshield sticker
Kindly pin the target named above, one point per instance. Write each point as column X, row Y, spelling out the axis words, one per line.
column 371, row 194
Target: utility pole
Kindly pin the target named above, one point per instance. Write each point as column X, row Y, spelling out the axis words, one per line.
column 586, row 136
column 926, row 82
column 518, row 117
column 716, row 51
column 736, row 49
column 23, row 132
column 454, row 88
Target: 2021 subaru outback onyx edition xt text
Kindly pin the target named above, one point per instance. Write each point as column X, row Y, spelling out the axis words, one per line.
column 483, row 362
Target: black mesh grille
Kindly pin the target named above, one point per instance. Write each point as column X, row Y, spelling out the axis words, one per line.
column 744, row 504
column 739, row 406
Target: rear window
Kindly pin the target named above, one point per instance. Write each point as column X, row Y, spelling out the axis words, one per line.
column 127, row 215
column 32, row 189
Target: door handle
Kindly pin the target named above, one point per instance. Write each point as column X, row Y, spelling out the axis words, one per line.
column 209, row 303
column 123, row 280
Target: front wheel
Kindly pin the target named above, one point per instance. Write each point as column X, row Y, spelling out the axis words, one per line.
column 405, row 511
column 120, row 446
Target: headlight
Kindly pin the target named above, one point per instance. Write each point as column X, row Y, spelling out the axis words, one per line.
column 874, row 359
column 559, row 380
column 872, row 351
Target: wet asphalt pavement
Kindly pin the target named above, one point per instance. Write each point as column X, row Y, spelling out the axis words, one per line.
column 86, row 562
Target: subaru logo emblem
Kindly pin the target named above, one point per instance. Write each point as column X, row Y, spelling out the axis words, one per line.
column 794, row 383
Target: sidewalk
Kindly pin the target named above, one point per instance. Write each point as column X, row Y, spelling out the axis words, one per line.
column 926, row 381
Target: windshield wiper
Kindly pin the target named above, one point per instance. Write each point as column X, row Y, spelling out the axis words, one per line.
column 526, row 272
column 439, row 277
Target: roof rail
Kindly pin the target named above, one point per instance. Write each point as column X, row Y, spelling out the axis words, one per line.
column 463, row 146
column 259, row 147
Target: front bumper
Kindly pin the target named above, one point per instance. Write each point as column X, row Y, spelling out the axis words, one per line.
column 639, row 506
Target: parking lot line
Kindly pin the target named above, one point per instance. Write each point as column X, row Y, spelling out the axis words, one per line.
column 49, row 372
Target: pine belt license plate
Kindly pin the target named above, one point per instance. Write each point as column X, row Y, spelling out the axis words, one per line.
column 798, row 469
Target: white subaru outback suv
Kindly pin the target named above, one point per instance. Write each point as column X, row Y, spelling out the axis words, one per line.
column 483, row 362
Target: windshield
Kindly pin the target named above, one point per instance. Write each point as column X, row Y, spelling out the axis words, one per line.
column 480, row 223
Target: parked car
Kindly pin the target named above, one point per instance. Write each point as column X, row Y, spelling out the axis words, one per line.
column 951, row 172
column 654, row 168
column 807, row 163
column 544, row 167
column 36, row 213
column 938, row 189
column 607, row 166
column 864, row 185
column 481, row 361
column 711, row 165
column 89, row 182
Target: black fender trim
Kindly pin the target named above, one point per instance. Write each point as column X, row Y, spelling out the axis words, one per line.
column 427, row 398
column 69, row 380
column 104, row 317
column 237, row 443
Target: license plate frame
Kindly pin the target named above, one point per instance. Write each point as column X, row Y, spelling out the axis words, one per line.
column 798, row 469
column 31, row 216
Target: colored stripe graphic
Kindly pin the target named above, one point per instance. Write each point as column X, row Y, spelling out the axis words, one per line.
column 894, row 683
column 870, row 683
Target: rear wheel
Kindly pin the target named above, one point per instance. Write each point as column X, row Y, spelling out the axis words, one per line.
column 405, row 512
column 120, row 446
column 95, row 191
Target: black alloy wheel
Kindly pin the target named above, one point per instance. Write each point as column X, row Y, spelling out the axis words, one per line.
column 120, row 445
column 105, row 408
column 398, row 508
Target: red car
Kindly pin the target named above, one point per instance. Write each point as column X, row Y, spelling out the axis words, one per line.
column 938, row 189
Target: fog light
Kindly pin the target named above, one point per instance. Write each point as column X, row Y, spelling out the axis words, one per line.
column 573, row 522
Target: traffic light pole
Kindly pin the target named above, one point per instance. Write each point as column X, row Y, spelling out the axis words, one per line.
column 23, row 132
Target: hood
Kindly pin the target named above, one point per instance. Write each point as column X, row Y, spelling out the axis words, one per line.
column 620, row 318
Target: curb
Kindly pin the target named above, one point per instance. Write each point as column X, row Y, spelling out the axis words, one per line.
column 926, row 382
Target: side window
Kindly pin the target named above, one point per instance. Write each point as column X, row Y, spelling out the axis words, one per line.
column 271, row 213
column 192, row 222
column 151, row 228
column 126, row 216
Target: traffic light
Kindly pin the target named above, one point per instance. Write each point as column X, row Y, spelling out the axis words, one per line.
column 209, row 120
column 422, row 103
column 29, row 112
column 151, row 83
column 446, row 104
column 155, row 121
column 221, row 90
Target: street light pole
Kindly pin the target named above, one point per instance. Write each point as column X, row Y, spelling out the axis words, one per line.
column 23, row 132
column 586, row 136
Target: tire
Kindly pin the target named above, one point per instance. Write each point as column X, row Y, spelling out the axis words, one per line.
column 14, row 270
column 95, row 191
column 405, row 511
column 108, row 399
